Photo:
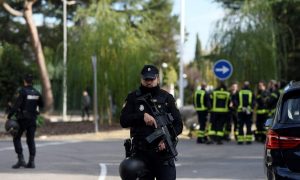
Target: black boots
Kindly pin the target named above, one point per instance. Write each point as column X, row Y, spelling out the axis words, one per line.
column 30, row 163
column 20, row 163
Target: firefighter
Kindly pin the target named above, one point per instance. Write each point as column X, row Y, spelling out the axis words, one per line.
column 202, row 104
column 220, row 98
column 261, row 111
column 245, row 103
column 273, row 97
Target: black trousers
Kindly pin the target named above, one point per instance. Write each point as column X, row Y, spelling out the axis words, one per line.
column 260, row 134
column 233, row 120
column 244, row 119
column 218, row 120
column 85, row 112
column 156, row 166
column 30, row 133
column 202, row 118
column 260, row 122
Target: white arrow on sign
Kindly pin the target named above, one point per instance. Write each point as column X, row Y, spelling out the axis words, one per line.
column 224, row 69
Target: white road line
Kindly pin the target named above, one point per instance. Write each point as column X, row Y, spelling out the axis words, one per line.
column 103, row 171
column 212, row 179
column 6, row 148
column 41, row 145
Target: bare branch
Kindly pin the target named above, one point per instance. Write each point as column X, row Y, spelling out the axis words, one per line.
column 10, row 10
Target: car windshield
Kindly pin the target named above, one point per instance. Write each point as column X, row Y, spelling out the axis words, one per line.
column 291, row 110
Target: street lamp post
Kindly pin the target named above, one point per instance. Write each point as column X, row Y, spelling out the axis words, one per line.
column 65, row 60
column 94, row 63
column 65, row 3
column 182, row 33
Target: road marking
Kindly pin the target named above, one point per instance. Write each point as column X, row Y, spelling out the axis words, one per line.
column 247, row 157
column 103, row 171
column 41, row 145
column 212, row 179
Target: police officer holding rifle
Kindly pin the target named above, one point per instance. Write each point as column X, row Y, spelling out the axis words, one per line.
column 154, row 122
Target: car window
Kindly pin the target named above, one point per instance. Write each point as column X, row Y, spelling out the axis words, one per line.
column 291, row 110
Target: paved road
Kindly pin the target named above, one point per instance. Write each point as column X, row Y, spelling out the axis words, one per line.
column 92, row 160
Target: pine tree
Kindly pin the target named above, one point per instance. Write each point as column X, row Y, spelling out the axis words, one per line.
column 198, row 50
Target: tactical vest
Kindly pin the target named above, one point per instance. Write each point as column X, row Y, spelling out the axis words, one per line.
column 199, row 100
column 245, row 99
column 220, row 101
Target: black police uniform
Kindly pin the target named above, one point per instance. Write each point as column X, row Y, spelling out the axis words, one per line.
column 25, row 109
column 159, row 164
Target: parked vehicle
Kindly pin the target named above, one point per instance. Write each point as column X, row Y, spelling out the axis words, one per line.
column 282, row 146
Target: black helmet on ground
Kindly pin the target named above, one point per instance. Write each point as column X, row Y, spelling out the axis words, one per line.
column 132, row 169
column 12, row 127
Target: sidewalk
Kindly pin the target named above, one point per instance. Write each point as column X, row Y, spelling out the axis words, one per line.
column 2, row 121
column 101, row 135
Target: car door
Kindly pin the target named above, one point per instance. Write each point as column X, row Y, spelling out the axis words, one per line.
column 288, row 131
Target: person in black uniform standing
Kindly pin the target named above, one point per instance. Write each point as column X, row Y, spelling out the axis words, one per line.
column 26, row 110
column 138, row 117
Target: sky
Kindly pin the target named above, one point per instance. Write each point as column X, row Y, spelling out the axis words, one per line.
column 200, row 16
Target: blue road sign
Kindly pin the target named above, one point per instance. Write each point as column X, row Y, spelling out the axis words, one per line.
column 223, row 69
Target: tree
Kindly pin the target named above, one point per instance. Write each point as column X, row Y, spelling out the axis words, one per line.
column 37, row 47
column 247, row 37
column 283, row 17
column 121, row 50
column 11, row 62
column 198, row 50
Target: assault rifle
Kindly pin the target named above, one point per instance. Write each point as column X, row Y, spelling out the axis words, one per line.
column 162, row 119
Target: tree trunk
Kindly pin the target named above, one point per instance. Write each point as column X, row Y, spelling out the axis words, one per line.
column 40, row 59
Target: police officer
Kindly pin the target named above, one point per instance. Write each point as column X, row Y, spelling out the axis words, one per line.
column 138, row 117
column 261, row 111
column 202, row 104
column 219, row 113
column 25, row 110
column 245, row 102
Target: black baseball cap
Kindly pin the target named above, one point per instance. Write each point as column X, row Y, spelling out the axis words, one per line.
column 28, row 78
column 149, row 72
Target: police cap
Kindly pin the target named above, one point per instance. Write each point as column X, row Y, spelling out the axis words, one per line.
column 149, row 72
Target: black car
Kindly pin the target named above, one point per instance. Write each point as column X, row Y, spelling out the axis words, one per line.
column 282, row 147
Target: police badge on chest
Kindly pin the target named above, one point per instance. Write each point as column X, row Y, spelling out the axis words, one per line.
column 141, row 108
